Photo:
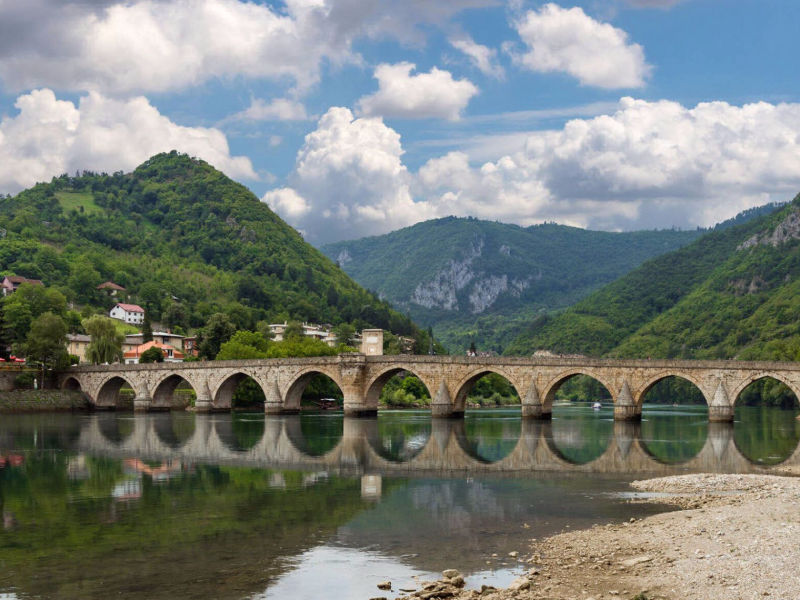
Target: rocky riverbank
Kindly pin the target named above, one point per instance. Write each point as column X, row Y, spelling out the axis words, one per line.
column 733, row 537
column 25, row 401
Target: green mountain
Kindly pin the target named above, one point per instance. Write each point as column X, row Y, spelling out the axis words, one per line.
column 186, row 242
column 482, row 281
column 733, row 293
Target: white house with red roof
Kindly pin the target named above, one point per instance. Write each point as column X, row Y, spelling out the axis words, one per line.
column 130, row 313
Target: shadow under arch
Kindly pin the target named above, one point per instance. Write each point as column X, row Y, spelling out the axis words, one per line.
column 294, row 393
column 71, row 384
column 113, row 396
column 375, row 387
column 766, row 431
column 240, row 431
column 164, row 396
column 173, row 429
column 466, row 385
column 225, row 396
column 675, row 420
column 114, row 428
column 315, row 434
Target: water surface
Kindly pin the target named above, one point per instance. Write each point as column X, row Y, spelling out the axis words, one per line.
column 246, row 506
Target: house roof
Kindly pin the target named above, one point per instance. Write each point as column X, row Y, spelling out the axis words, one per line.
column 130, row 307
column 110, row 285
column 78, row 337
column 17, row 280
column 136, row 352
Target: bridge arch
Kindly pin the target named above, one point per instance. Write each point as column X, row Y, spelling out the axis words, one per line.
column 71, row 384
column 301, row 379
column 108, row 393
column 467, row 382
column 757, row 376
column 222, row 397
column 640, row 394
column 164, row 390
column 375, row 386
column 552, row 387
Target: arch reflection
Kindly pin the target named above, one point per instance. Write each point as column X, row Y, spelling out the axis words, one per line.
column 767, row 431
column 490, row 435
column 116, row 429
column 240, row 431
column 399, row 437
column 580, row 434
column 674, row 435
column 315, row 434
column 173, row 429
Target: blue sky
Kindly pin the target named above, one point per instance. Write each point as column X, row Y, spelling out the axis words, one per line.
column 356, row 117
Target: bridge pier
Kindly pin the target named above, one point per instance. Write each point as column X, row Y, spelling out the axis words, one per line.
column 532, row 407
column 202, row 402
column 720, row 409
column 442, row 404
column 625, row 408
column 142, row 401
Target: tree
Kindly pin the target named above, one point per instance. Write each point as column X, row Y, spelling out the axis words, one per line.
column 217, row 331
column 24, row 305
column 174, row 315
column 147, row 327
column 293, row 331
column 244, row 345
column 106, row 344
column 46, row 343
column 153, row 354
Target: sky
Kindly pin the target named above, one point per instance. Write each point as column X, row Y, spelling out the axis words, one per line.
column 358, row 117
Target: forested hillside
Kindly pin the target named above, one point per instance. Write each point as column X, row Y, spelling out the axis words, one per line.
column 480, row 281
column 734, row 293
column 186, row 242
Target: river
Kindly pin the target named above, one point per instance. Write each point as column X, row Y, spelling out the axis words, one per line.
column 177, row 505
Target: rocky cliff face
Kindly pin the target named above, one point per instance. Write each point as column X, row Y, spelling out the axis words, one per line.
column 786, row 230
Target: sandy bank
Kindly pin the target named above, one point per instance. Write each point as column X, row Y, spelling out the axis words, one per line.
column 734, row 537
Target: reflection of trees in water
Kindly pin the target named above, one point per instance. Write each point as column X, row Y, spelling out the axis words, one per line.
column 580, row 434
column 674, row 436
column 70, row 533
column 321, row 433
column 401, row 438
column 766, row 435
column 491, row 437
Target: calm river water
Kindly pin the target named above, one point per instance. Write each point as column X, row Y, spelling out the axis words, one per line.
column 247, row 506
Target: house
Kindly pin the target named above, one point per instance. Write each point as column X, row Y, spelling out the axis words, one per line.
column 111, row 287
column 12, row 282
column 131, row 357
column 130, row 313
column 77, row 343
column 320, row 332
column 163, row 337
column 190, row 346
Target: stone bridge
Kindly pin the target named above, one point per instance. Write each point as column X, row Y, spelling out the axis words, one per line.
column 449, row 380
column 447, row 449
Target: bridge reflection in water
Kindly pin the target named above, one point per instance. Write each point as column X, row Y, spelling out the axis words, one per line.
column 420, row 445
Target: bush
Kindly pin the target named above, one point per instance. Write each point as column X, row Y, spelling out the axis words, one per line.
column 151, row 355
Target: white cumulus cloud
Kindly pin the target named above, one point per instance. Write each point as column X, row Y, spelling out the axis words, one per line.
column 279, row 109
column 50, row 136
column 349, row 181
column 127, row 46
column 425, row 95
column 570, row 41
column 482, row 57
column 647, row 164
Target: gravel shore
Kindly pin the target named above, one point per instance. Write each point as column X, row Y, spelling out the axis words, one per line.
column 733, row 537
